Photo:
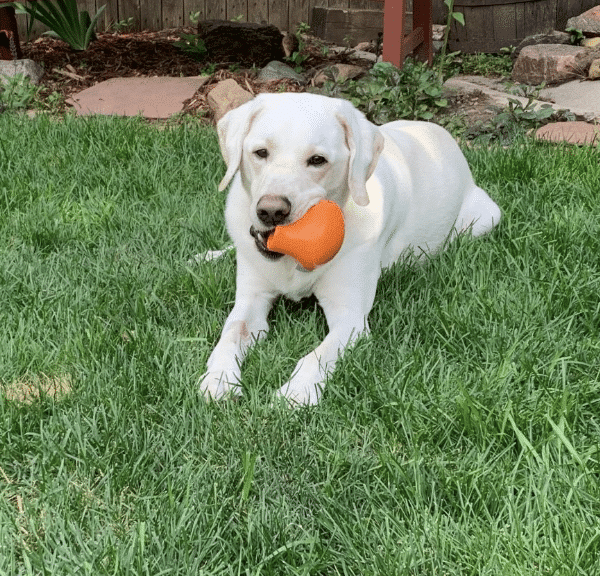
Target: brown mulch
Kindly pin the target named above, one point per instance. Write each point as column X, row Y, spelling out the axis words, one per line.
column 121, row 55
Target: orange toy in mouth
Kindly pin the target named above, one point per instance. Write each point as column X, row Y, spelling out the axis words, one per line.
column 313, row 239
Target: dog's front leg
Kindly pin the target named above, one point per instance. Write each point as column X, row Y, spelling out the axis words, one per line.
column 246, row 323
column 346, row 306
column 308, row 379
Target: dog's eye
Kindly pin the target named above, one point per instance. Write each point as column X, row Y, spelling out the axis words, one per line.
column 261, row 153
column 317, row 160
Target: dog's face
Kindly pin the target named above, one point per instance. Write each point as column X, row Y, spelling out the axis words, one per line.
column 293, row 152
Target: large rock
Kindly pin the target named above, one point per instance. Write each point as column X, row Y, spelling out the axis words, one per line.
column 553, row 37
column 226, row 96
column 339, row 72
column 594, row 72
column 244, row 42
column 552, row 63
column 277, row 71
column 588, row 22
column 28, row 68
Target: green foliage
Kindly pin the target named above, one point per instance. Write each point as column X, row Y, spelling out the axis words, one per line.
column 517, row 118
column 460, row 18
column 388, row 93
column 17, row 92
column 53, row 102
column 576, row 36
column 298, row 57
column 209, row 69
column 64, row 20
column 192, row 45
column 123, row 25
column 481, row 64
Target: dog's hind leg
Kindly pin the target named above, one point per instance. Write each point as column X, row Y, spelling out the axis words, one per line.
column 478, row 212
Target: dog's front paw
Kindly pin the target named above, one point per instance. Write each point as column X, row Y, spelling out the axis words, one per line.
column 305, row 387
column 299, row 394
column 217, row 385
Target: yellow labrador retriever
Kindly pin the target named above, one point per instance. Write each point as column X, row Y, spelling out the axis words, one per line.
column 401, row 186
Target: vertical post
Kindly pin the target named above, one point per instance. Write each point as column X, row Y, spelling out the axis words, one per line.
column 393, row 31
column 423, row 18
column 10, row 49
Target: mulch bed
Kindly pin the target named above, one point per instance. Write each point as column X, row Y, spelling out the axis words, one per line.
column 121, row 55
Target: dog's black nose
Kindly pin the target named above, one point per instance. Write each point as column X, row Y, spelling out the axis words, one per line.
column 273, row 210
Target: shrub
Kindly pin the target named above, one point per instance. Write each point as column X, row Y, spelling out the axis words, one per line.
column 388, row 93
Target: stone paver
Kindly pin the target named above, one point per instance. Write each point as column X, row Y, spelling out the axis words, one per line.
column 581, row 98
column 570, row 132
column 157, row 97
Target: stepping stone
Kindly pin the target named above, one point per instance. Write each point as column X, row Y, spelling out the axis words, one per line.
column 158, row 97
column 570, row 132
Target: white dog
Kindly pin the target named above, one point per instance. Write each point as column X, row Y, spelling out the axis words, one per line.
column 401, row 186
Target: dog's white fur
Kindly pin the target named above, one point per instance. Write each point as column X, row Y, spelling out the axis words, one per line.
column 401, row 186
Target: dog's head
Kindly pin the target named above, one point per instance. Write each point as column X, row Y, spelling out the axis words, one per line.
column 293, row 150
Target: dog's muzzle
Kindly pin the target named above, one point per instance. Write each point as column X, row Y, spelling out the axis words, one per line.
column 260, row 239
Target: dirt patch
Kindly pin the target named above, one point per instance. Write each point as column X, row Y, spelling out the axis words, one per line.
column 29, row 389
column 474, row 107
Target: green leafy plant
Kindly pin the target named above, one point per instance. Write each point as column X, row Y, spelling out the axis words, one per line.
column 576, row 36
column 64, row 20
column 479, row 64
column 488, row 65
column 517, row 117
column 460, row 18
column 123, row 25
column 192, row 45
column 209, row 69
column 53, row 102
column 298, row 57
column 194, row 17
column 388, row 93
column 16, row 92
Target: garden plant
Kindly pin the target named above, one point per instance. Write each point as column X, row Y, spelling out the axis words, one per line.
column 64, row 19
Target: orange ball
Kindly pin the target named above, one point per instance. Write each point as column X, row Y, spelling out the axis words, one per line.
column 313, row 239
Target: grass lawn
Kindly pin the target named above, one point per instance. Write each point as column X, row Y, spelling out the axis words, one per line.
column 461, row 438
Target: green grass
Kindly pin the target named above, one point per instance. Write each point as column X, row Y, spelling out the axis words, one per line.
column 461, row 438
column 495, row 65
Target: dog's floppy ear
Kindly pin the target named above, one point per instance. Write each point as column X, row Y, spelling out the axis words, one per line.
column 232, row 129
column 365, row 142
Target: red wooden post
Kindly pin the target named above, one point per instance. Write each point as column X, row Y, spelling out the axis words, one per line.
column 10, row 49
column 397, row 46
column 423, row 19
column 393, row 32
